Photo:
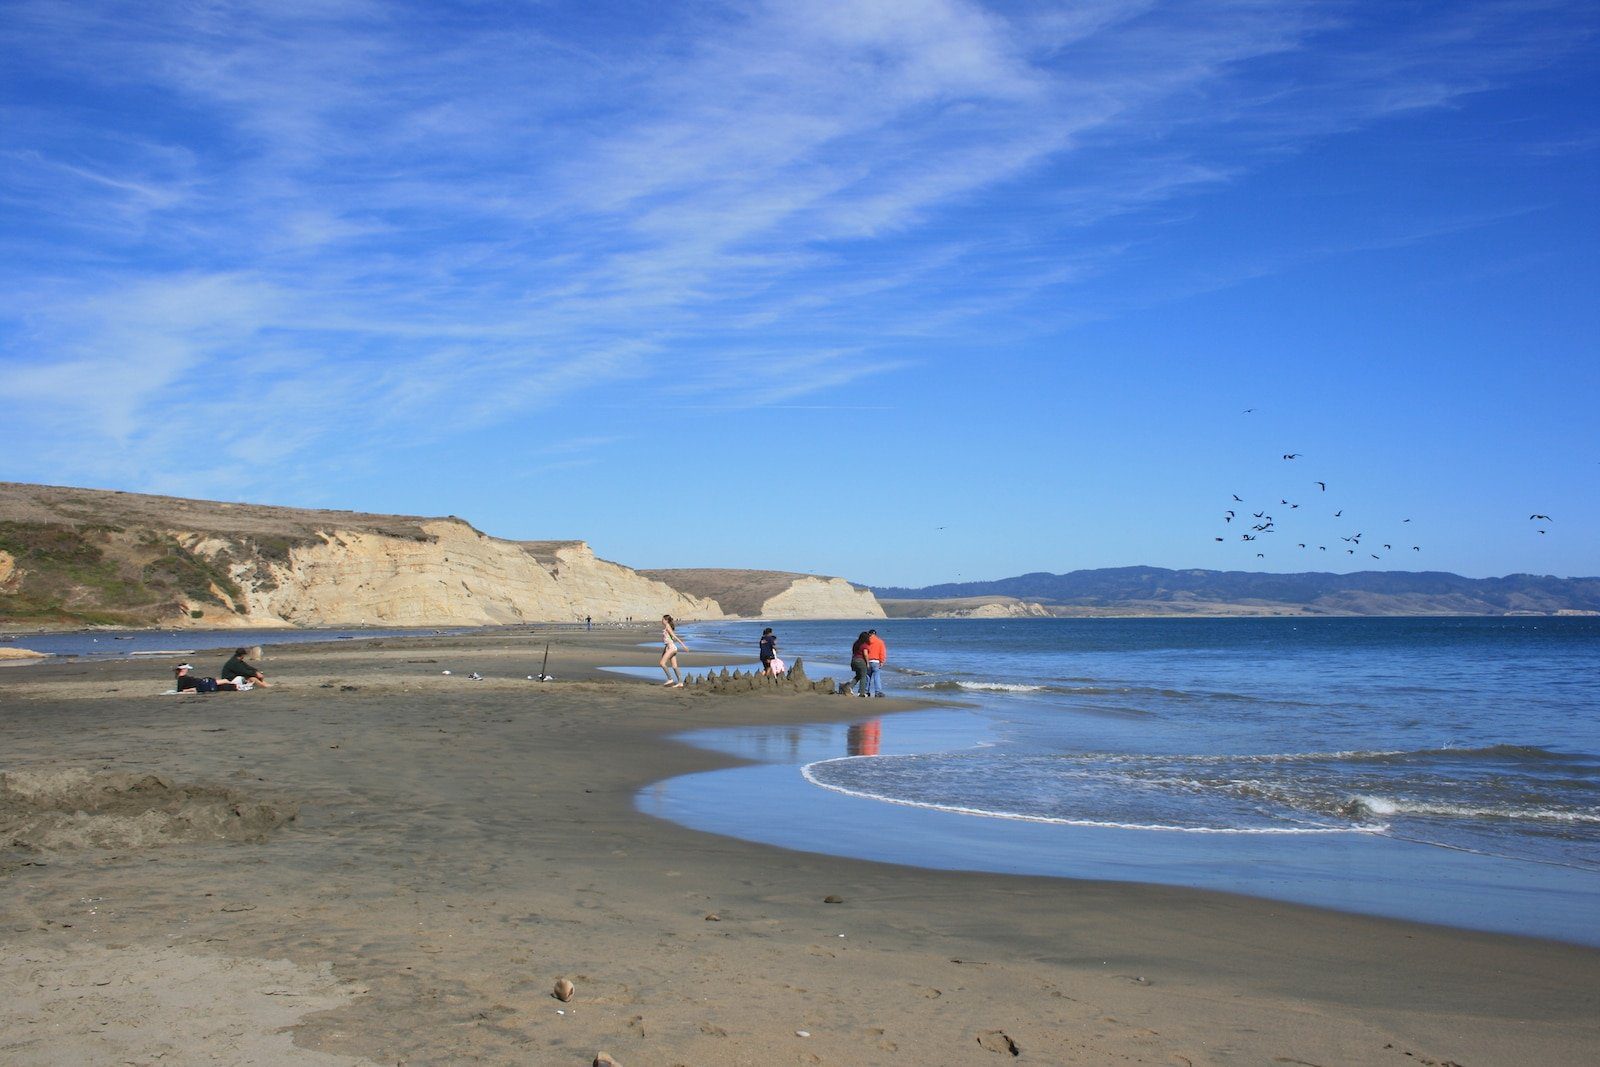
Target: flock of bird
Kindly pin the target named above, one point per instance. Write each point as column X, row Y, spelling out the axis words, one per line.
column 1265, row 525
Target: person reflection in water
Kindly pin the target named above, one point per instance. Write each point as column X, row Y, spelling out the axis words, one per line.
column 863, row 738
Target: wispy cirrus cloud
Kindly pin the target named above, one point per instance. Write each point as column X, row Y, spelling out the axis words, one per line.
column 358, row 215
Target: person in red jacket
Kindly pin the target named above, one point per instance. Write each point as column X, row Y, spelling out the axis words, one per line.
column 877, row 656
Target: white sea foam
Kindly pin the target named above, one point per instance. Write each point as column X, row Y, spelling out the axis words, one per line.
column 1395, row 806
column 995, row 687
column 1054, row 820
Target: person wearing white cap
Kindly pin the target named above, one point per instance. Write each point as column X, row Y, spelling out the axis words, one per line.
column 183, row 681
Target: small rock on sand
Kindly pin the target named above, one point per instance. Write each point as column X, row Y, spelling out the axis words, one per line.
column 603, row 1059
column 832, row 899
column 564, row 990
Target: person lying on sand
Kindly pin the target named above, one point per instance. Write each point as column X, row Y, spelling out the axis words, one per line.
column 183, row 681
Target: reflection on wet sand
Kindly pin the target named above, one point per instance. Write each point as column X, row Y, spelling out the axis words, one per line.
column 864, row 737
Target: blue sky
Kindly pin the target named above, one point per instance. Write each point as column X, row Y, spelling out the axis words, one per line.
column 908, row 292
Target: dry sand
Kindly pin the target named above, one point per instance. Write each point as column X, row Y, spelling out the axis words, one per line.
column 375, row 863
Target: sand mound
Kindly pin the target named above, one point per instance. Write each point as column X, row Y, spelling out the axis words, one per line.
column 71, row 808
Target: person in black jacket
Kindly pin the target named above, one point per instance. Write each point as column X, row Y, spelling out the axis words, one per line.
column 238, row 668
column 185, row 682
column 769, row 650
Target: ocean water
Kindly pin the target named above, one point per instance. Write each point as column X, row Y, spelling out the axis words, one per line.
column 1446, row 770
column 111, row 644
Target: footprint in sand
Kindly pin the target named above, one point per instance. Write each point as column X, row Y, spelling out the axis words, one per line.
column 999, row 1041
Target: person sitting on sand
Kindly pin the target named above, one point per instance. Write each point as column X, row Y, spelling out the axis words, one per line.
column 183, row 681
column 670, row 643
column 236, row 668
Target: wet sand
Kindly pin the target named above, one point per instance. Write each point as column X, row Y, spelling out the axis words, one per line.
column 375, row 862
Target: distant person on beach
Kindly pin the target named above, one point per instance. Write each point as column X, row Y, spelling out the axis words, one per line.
column 858, row 663
column 237, row 668
column 877, row 656
column 588, row 622
column 185, row 682
column 670, row 644
column 769, row 652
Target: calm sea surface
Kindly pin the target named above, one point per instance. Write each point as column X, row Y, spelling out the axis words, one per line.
column 109, row 644
column 1446, row 770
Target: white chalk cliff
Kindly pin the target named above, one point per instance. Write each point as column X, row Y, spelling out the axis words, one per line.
column 178, row 562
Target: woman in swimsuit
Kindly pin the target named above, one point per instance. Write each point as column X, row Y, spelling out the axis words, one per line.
column 670, row 643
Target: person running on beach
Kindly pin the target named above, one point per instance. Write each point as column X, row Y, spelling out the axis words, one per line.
column 877, row 656
column 858, row 663
column 670, row 644
column 769, row 652
column 237, row 668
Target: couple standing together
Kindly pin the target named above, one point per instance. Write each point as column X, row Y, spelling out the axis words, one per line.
column 867, row 657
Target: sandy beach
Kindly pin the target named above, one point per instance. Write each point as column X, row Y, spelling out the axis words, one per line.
column 375, row 862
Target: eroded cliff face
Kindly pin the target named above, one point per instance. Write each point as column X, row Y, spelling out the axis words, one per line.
column 822, row 598
column 451, row 575
column 100, row 557
column 773, row 594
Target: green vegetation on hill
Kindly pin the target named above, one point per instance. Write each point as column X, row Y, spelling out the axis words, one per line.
column 103, row 575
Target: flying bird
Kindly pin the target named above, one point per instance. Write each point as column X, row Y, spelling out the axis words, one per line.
column 1216, row 539
column 1405, row 520
column 1546, row 518
column 1322, row 548
column 1376, row 557
column 1336, row 514
column 1293, row 455
column 1388, row 546
column 1302, row 546
column 1323, row 486
column 1237, row 499
column 1416, row 548
column 1261, row 555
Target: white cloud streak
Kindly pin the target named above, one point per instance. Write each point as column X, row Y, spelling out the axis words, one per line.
column 358, row 215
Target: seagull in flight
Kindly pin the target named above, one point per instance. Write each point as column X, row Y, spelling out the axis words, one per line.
column 1336, row 514
column 1293, row 455
column 1323, row 486
column 1546, row 518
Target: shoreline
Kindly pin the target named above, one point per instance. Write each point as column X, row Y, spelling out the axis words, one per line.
column 462, row 844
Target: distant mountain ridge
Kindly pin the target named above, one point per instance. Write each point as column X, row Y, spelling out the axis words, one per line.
column 1157, row 590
